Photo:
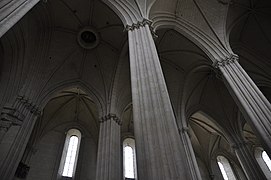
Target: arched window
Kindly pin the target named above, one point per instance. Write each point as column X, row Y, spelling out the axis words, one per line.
column 129, row 158
column 225, row 168
column 70, row 154
column 264, row 161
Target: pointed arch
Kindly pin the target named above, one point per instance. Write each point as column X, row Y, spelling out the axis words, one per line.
column 213, row 50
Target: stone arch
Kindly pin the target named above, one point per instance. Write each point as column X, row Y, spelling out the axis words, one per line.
column 212, row 49
column 60, row 115
column 258, row 155
column 46, row 96
column 226, row 169
column 207, row 138
column 127, row 12
column 117, row 105
column 182, row 110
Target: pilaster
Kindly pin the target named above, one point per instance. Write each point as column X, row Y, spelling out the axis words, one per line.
column 160, row 153
column 22, row 114
column 250, row 100
column 108, row 158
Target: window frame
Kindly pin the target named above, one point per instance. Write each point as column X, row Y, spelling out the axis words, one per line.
column 227, row 167
column 258, row 156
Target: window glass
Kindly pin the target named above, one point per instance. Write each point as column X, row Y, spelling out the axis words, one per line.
column 263, row 161
column 222, row 169
column 129, row 159
column 70, row 157
column 266, row 160
column 129, row 162
column 225, row 168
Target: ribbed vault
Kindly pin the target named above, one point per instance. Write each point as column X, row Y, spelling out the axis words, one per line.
column 248, row 27
column 178, row 56
column 69, row 108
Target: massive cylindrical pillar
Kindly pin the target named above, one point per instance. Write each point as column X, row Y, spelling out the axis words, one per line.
column 21, row 117
column 160, row 153
column 250, row 100
column 108, row 158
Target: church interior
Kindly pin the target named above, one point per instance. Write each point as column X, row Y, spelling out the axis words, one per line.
column 135, row 90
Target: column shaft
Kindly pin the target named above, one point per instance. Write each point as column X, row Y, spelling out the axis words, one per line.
column 108, row 158
column 248, row 162
column 190, row 155
column 12, row 12
column 22, row 114
column 252, row 103
column 160, row 154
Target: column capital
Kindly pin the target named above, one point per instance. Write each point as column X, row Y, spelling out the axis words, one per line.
column 110, row 116
column 16, row 113
column 140, row 24
column 25, row 103
column 183, row 130
column 231, row 59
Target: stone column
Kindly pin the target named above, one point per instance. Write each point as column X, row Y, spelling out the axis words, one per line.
column 254, row 106
column 12, row 12
column 248, row 162
column 21, row 118
column 189, row 152
column 160, row 154
column 108, row 158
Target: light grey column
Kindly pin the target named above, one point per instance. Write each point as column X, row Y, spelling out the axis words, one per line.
column 254, row 106
column 189, row 153
column 248, row 162
column 108, row 158
column 21, row 117
column 12, row 11
column 160, row 154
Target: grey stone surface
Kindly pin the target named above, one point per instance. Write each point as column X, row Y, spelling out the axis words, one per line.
column 172, row 80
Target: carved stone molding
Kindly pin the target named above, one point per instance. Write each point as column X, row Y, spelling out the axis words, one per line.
column 28, row 105
column 142, row 24
column 138, row 25
column 183, row 130
column 14, row 115
column 233, row 58
column 10, row 116
column 110, row 116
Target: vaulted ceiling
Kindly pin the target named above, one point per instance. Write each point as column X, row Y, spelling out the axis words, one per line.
column 44, row 51
column 248, row 26
column 72, row 108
